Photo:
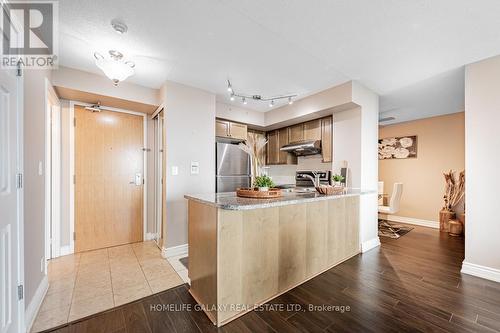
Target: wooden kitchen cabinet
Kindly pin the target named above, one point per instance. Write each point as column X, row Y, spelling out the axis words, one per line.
column 282, row 140
column 273, row 148
column 238, row 131
column 276, row 140
column 228, row 129
column 327, row 138
column 312, row 130
column 296, row 133
column 222, row 128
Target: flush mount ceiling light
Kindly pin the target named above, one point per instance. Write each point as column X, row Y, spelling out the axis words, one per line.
column 114, row 66
column 244, row 97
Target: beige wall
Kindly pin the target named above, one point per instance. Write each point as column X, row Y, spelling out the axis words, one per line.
column 441, row 147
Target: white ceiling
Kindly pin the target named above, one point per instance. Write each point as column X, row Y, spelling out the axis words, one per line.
column 282, row 46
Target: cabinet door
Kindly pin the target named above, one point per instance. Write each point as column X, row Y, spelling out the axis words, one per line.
column 327, row 138
column 312, row 130
column 296, row 133
column 238, row 131
column 282, row 140
column 272, row 148
column 222, row 128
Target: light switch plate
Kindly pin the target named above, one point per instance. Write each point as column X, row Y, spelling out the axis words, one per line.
column 195, row 168
column 40, row 168
column 175, row 171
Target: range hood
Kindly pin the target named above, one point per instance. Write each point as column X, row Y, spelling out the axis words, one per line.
column 303, row 148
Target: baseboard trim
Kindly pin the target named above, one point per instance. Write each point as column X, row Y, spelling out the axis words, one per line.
column 65, row 250
column 36, row 303
column 149, row 236
column 370, row 244
column 174, row 251
column 410, row 220
column 484, row 272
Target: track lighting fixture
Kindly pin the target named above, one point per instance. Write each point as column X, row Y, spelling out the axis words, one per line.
column 244, row 97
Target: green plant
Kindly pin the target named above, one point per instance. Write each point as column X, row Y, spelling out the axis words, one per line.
column 263, row 181
column 337, row 178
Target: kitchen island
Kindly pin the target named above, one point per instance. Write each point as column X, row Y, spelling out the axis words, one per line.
column 244, row 252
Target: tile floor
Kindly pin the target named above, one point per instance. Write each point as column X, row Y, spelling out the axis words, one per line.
column 94, row 281
column 179, row 267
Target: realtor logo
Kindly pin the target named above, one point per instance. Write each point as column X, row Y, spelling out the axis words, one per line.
column 29, row 34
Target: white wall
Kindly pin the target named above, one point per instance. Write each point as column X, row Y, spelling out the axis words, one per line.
column 34, row 183
column 369, row 103
column 190, row 136
column 239, row 114
column 347, row 144
column 482, row 162
column 101, row 85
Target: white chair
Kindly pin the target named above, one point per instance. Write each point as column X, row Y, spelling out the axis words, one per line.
column 393, row 208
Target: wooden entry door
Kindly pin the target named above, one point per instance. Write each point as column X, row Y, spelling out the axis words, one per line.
column 109, row 173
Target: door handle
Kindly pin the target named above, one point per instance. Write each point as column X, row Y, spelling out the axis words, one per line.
column 138, row 180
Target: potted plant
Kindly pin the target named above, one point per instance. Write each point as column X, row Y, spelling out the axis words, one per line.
column 337, row 180
column 263, row 183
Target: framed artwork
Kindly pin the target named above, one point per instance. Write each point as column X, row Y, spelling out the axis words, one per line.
column 397, row 147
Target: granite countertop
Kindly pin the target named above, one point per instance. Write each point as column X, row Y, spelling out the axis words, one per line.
column 230, row 201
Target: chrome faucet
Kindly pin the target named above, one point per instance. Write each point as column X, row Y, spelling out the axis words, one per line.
column 315, row 180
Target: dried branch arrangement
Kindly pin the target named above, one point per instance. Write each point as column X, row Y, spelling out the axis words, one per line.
column 454, row 189
column 254, row 146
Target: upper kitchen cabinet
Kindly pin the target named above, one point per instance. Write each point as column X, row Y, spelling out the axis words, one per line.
column 273, row 147
column 276, row 140
column 222, row 128
column 228, row 129
column 327, row 138
column 296, row 133
column 238, row 131
column 312, row 130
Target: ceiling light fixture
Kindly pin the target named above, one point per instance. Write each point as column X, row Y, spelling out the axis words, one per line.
column 114, row 67
column 244, row 97
column 119, row 26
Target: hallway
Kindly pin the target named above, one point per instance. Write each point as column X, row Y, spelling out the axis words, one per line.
column 90, row 282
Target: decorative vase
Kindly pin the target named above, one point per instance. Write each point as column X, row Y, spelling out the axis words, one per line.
column 455, row 227
column 444, row 218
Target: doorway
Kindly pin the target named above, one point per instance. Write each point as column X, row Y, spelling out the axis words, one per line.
column 109, row 186
column 159, row 176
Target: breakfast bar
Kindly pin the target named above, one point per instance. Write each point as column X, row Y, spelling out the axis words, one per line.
column 245, row 252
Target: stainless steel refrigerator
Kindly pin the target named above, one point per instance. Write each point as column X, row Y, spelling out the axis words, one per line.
column 233, row 168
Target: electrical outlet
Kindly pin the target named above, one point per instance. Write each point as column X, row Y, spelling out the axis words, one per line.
column 175, row 171
column 40, row 168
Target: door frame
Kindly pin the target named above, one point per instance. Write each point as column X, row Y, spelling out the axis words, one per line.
column 159, row 187
column 52, row 194
column 71, row 118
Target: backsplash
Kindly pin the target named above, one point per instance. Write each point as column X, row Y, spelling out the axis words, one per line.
column 285, row 174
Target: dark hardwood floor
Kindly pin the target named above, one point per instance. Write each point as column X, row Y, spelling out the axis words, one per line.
column 412, row 284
